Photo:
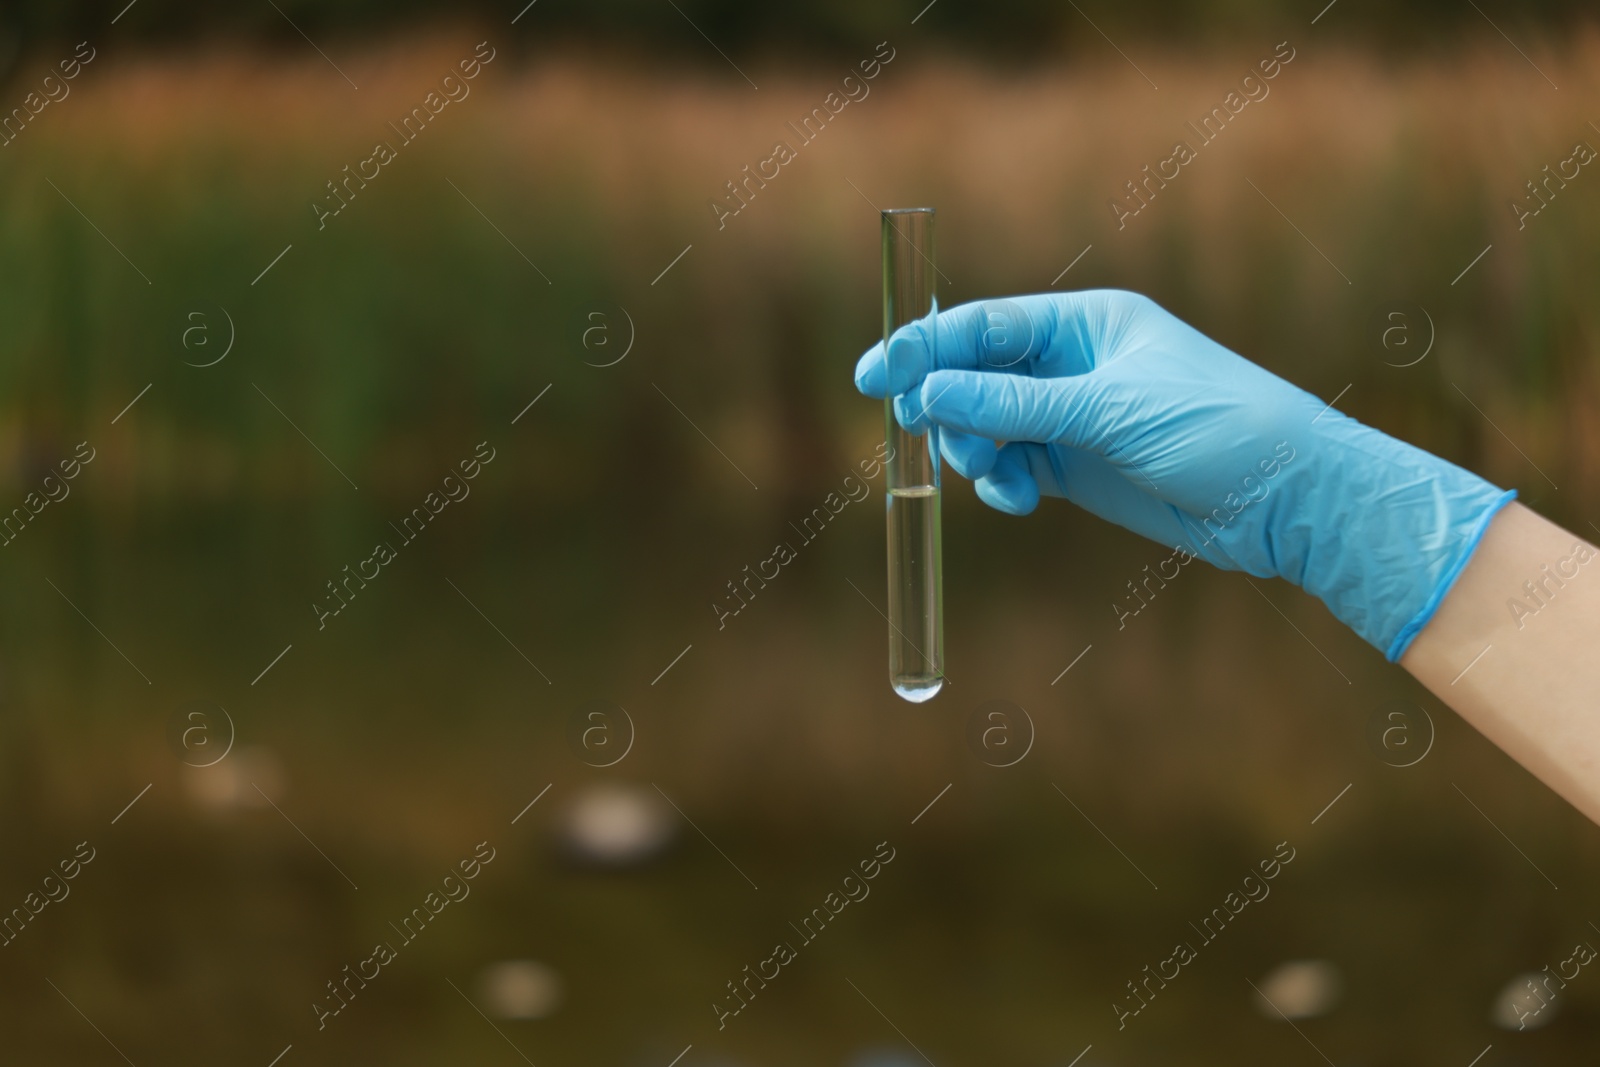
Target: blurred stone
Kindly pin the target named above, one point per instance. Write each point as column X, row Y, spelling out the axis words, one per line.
column 884, row 1056
column 520, row 989
column 617, row 825
column 232, row 783
column 1520, row 1007
column 1300, row 989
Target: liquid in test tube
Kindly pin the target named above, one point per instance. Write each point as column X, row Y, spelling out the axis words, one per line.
column 916, row 593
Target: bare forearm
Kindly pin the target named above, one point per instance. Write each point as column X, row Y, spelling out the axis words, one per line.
column 1515, row 650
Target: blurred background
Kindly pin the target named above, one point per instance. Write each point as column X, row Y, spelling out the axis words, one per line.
column 269, row 789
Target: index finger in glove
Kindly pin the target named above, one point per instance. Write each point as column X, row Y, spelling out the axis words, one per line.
column 999, row 335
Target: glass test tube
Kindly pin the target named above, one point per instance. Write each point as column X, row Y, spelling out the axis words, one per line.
column 916, row 593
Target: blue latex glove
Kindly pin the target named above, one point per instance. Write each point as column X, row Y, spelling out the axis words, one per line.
column 1104, row 398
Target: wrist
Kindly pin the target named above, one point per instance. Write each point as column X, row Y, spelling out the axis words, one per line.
column 1387, row 529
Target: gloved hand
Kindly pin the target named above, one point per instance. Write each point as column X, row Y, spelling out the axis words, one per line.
column 1104, row 398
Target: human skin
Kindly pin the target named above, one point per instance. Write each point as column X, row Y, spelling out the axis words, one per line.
column 1533, row 691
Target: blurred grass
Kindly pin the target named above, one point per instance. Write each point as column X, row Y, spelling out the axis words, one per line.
column 389, row 332
column 409, row 330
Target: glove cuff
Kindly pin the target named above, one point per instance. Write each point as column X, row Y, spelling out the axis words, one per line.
column 1383, row 530
column 1447, row 580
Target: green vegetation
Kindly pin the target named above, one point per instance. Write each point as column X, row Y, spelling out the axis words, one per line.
column 415, row 325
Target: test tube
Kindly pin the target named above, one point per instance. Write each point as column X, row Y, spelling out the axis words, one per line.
column 916, row 594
